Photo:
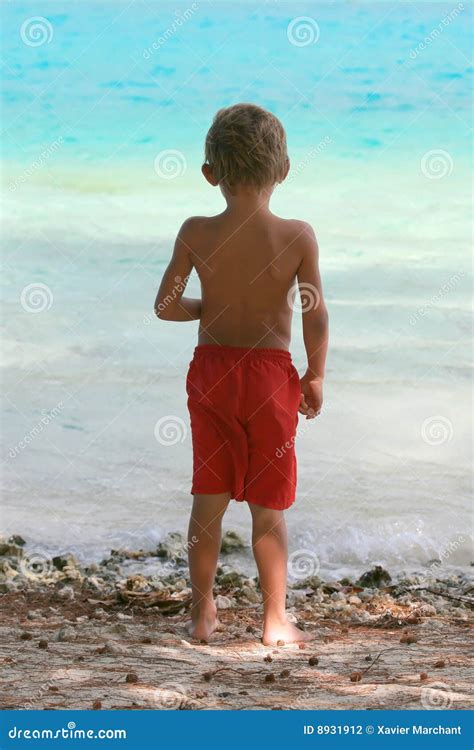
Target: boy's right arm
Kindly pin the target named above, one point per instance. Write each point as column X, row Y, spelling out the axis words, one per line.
column 315, row 324
column 170, row 303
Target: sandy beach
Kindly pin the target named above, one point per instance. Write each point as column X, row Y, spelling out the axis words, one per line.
column 112, row 636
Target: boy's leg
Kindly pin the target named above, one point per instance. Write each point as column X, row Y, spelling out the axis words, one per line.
column 269, row 540
column 204, row 542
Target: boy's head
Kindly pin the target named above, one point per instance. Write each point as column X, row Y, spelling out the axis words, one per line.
column 246, row 145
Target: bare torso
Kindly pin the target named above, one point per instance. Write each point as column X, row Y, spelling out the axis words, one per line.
column 247, row 270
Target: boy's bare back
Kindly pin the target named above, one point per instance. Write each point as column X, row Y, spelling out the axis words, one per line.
column 247, row 265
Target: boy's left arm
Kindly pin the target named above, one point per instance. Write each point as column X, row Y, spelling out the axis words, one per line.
column 170, row 303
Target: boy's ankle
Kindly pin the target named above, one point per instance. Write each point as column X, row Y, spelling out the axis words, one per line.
column 275, row 618
column 204, row 608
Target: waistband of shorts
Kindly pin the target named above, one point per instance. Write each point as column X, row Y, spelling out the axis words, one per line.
column 243, row 352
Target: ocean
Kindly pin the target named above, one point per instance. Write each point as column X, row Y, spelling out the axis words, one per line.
column 105, row 109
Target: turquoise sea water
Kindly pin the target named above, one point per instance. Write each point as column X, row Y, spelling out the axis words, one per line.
column 105, row 109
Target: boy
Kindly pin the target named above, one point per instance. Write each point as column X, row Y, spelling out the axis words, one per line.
column 244, row 393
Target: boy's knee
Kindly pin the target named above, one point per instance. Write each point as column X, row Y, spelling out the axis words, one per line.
column 265, row 520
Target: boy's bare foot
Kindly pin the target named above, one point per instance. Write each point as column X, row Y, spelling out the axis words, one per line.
column 203, row 622
column 273, row 633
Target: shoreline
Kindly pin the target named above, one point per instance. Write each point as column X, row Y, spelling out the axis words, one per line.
column 99, row 636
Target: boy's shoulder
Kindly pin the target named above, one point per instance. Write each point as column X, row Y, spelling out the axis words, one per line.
column 298, row 233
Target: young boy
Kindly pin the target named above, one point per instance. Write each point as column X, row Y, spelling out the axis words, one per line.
column 244, row 393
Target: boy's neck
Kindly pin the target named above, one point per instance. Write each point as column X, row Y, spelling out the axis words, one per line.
column 248, row 202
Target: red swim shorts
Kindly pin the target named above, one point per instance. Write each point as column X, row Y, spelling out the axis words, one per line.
column 244, row 411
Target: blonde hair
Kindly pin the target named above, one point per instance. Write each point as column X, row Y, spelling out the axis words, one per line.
column 246, row 145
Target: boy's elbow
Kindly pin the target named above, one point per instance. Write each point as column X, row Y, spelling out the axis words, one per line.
column 161, row 311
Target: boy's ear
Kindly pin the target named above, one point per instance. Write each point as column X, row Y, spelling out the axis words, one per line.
column 287, row 169
column 207, row 172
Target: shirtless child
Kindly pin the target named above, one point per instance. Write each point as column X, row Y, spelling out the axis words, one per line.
column 244, row 393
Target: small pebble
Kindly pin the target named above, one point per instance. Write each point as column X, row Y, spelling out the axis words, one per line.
column 285, row 673
column 280, row 643
column 96, row 706
column 440, row 664
column 131, row 677
column 267, row 658
column 147, row 639
column 356, row 676
column 42, row 644
column 423, row 676
column 313, row 661
column 26, row 636
column 207, row 676
column 409, row 638
column 301, row 645
column 269, row 678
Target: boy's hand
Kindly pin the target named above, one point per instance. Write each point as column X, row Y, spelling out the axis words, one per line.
column 311, row 396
